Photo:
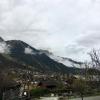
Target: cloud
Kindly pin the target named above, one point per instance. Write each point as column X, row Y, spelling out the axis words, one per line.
column 90, row 40
column 4, row 48
column 28, row 50
column 53, row 25
column 20, row 16
column 77, row 52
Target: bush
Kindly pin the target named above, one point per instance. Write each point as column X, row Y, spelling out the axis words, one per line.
column 37, row 92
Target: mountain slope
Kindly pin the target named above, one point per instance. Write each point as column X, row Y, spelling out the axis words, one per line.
column 18, row 47
column 66, row 61
column 23, row 54
column 6, row 64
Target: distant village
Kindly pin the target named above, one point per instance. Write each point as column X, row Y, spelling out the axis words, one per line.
column 28, row 84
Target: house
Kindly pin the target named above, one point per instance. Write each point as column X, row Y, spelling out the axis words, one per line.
column 9, row 89
column 49, row 84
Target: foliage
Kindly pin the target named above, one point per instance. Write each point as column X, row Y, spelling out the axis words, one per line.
column 37, row 92
column 79, row 86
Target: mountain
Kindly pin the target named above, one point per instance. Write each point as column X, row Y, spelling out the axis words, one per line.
column 8, row 64
column 19, row 47
column 66, row 61
column 22, row 55
column 1, row 39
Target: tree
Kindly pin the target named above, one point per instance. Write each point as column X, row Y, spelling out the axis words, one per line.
column 95, row 59
column 37, row 92
column 79, row 86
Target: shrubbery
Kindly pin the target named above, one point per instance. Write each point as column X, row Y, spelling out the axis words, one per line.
column 37, row 92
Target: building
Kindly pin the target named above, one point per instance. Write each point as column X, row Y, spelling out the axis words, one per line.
column 9, row 89
column 48, row 84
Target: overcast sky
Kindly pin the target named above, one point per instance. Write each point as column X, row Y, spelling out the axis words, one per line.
column 68, row 28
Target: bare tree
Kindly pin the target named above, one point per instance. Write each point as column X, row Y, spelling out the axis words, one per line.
column 95, row 58
column 95, row 62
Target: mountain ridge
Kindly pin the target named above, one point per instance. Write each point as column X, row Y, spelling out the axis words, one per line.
column 35, row 58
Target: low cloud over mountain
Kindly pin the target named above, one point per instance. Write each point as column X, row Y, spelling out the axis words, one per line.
column 22, row 55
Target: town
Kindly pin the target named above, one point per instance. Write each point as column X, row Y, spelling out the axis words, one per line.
column 28, row 85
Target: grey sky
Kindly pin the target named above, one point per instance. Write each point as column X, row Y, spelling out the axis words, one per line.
column 69, row 28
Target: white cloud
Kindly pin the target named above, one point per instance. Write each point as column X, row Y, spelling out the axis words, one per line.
column 4, row 48
column 55, row 25
column 28, row 50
